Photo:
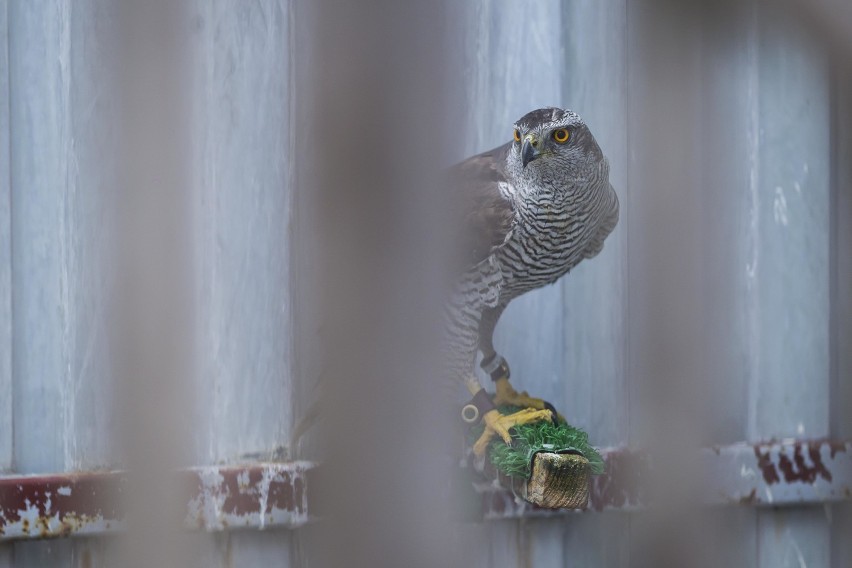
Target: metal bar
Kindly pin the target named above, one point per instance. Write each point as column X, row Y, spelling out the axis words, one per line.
column 267, row 495
column 261, row 495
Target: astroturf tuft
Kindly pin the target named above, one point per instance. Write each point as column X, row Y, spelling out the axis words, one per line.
column 528, row 439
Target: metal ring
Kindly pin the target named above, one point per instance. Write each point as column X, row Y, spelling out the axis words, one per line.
column 470, row 413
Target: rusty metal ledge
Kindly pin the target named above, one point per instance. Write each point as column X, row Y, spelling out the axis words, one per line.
column 266, row 495
column 777, row 473
column 257, row 495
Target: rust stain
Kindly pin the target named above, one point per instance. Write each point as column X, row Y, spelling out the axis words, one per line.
column 282, row 495
column 770, row 473
column 61, row 505
column 246, row 492
column 819, row 466
column 80, row 495
column 796, row 468
column 239, row 501
column 249, row 495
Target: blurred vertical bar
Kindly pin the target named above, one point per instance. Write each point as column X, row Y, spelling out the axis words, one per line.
column 841, row 425
column 154, row 297
column 379, row 125
column 667, row 287
column 841, row 296
column 60, row 156
column 242, row 205
column 664, row 234
column 788, row 275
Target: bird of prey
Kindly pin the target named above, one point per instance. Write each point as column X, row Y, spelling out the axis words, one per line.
column 531, row 210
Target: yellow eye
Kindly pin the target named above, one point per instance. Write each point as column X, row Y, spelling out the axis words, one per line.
column 561, row 136
column 517, row 135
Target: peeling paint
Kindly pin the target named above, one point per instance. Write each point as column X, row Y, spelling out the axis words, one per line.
column 218, row 497
column 795, row 461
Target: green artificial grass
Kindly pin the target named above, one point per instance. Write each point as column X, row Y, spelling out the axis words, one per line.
column 528, row 439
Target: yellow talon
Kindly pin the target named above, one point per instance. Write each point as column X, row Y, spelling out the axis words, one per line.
column 508, row 396
column 497, row 424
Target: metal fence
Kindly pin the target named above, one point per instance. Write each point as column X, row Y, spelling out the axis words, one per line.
column 167, row 170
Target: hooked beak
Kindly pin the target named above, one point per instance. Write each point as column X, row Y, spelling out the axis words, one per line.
column 529, row 150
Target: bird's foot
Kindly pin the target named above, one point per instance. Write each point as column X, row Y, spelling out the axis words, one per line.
column 497, row 424
column 508, row 396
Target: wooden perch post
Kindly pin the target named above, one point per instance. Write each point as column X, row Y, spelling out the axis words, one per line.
column 558, row 481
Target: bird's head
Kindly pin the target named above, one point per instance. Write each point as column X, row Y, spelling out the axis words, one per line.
column 552, row 144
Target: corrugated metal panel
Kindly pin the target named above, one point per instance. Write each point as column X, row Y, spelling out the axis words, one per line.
column 741, row 109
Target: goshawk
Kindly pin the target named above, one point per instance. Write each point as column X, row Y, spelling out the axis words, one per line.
column 531, row 209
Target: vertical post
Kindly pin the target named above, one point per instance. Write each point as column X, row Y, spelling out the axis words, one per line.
column 242, row 193
column 40, row 153
column 242, row 198
column 790, row 285
column 60, row 182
